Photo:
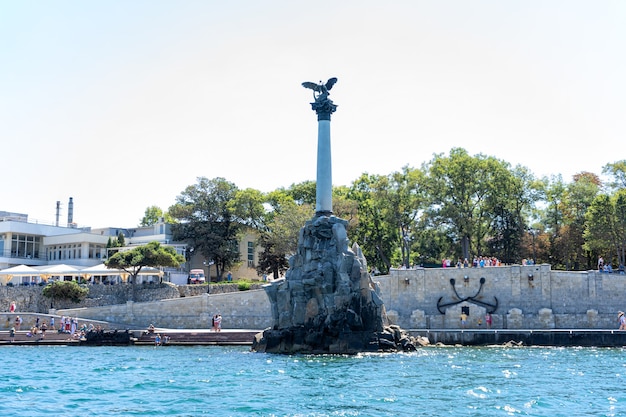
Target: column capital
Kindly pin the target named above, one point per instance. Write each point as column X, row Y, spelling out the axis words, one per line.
column 324, row 108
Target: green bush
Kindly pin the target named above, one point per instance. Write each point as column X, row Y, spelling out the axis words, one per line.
column 68, row 290
column 243, row 286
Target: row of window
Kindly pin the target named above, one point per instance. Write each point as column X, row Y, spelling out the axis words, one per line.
column 28, row 246
column 62, row 252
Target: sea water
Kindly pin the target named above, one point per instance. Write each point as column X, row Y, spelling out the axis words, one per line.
column 232, row 381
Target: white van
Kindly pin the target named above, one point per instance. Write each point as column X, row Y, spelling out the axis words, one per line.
column 196, row 276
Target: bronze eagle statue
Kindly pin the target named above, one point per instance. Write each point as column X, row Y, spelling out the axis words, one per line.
column 320, row 90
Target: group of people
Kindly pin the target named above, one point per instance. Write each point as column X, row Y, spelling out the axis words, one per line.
column 488, row 320
column 607, row 267
column 477, row 262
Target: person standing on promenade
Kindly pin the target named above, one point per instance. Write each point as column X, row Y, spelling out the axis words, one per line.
column 488, row 320
column 622, row 320
column 12, row 307
column 12, row 334
column 44, row 327
column 218, row 323
column 18, row 323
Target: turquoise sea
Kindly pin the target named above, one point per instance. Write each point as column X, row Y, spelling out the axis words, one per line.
column 232, row 381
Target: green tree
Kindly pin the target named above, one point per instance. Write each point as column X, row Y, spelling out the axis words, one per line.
column 280, row 238
column 207, row 220
column 376, row 232
column 509, row 207
column 406, row 201
column 67, row 290
column 151, row 254
column 618, row 171
column 303, row 193
column 464, row 191
column 605, row 231
column 153, row 215
column 248, row 209
column 579, row 195
column 121, row 240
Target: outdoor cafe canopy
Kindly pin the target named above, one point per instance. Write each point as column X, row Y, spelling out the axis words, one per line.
column 17, row 271
column 68, row 270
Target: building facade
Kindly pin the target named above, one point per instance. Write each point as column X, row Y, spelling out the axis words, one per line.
column 35, row 245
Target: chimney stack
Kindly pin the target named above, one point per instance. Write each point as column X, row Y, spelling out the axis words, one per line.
column 58, row 213
column 70, row 213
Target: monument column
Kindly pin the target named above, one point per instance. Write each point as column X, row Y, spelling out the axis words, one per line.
column 324, row 107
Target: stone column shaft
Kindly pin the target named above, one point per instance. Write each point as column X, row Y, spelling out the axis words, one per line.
column 324, row 185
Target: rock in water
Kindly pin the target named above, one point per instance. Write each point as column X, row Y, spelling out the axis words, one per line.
column 327, row 302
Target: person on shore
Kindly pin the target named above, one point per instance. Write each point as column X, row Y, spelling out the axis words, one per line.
column 12, row 335
column 488, row 320
column 622, row 320
column 52, row 322
column 12, row 307
column 44, row 327
column 600, row 264
column 463, row 319
column 18, row 323
column 157, row 340
column 218, row 323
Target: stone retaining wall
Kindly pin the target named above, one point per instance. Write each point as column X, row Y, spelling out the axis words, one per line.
column 30, row 298
column 528, row 297
column 239, row 310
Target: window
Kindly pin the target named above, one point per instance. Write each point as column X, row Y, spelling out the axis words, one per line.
column 250, row 254
column 25, row 246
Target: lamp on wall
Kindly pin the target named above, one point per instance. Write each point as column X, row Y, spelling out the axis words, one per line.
column 466, row 278
column 531, row 277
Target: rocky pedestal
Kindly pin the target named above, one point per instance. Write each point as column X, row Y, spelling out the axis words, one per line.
column 327, row 302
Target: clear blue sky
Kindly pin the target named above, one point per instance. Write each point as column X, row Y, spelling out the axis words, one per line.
column 122, row 104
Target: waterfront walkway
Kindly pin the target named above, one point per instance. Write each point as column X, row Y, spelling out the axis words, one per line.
column 525, row 337
column 465, row 337
column 226, row 337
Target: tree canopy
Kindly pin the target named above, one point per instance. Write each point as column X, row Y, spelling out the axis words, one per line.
column 456, row 205
column 152, row 254
column 211, row 216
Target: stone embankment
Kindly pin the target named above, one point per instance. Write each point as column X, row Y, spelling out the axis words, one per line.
column 30, row 298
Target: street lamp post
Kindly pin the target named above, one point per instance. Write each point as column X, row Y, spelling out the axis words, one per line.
column 533, row 233
column 208, row 275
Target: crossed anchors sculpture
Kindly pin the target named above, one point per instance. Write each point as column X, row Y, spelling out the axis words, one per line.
column 491, row 308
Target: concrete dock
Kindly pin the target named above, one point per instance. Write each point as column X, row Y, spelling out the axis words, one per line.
column 525, row 337
column 245, row 337
column 226, row 337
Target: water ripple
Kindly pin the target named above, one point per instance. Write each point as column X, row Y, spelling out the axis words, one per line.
column 196, row 381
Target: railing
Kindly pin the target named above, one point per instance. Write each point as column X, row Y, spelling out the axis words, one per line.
column 7, row 254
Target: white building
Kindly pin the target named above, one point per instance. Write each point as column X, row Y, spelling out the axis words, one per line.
column 35, row 245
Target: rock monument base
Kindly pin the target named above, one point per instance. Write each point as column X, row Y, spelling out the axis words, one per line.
column 327, row 302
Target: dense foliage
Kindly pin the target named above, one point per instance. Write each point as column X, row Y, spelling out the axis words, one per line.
column 454, row 206
column 66, row 290
column 151, row 254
